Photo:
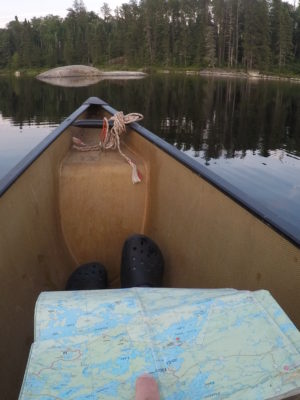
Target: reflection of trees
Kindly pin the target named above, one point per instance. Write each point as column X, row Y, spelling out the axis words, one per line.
column 212, row 117
column 229, row 117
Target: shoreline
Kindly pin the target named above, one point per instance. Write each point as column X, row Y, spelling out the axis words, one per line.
column 143, row 72
column 218, row 73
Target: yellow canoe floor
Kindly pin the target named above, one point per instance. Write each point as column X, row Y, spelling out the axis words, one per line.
column 70, row 207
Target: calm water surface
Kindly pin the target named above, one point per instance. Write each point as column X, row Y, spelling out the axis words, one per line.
column 248, row 132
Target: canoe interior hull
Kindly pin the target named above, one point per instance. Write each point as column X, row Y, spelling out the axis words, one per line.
column 68, row 208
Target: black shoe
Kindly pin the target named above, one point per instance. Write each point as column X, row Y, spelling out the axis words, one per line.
column 88, row 276
column 142, row 263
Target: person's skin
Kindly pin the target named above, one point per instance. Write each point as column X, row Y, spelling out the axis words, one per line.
column 146, row 388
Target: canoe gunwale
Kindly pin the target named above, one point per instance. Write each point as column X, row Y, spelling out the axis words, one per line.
column 250, row 204
column 29, row 159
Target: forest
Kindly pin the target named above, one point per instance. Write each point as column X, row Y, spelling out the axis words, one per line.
column 240, row 34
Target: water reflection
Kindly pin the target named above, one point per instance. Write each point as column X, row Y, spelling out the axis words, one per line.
column 75, row 82
column 227, row 118
column 219, row 118
column 246, row 131
column 72, row 81
column 17, row 141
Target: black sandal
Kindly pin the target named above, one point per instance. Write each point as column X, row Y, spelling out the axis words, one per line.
column 87, row 277
column 142, row 263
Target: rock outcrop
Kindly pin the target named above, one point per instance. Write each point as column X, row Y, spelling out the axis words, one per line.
column 70, row 71
column 83, row 75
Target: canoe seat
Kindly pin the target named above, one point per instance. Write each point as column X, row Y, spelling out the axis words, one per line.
column 100, row 206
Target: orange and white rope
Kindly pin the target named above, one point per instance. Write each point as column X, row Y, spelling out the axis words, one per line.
column 110, row 139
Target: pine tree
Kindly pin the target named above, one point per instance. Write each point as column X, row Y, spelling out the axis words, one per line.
column 4, row 48
column 296, row 40
column 256, row 34
column 219, row 11
column 281, row 32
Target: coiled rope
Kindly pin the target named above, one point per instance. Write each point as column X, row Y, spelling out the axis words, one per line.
column 110, row 139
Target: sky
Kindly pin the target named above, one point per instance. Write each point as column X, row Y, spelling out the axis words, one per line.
column 40, row 8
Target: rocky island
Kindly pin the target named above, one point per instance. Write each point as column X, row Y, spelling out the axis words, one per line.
column 83, row 75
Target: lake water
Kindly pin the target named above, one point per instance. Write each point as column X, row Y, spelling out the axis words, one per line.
column 248, row 132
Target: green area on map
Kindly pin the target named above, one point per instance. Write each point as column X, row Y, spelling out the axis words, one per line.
column 198, row 344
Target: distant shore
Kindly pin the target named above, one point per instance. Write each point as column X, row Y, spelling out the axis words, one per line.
column 106, row 73
column 253, row 75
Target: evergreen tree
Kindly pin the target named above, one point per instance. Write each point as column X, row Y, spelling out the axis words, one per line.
column 5, row 52
column 183, row 33
column 219, row 13
column 155, row 16
column 296, row 36
column 281, row 32
column 256, row 34
column 15, row 39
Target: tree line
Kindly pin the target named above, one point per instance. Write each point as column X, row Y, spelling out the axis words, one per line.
column 249, row 34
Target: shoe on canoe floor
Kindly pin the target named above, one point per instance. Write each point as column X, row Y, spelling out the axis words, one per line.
column 142, row 263
column 88, row 276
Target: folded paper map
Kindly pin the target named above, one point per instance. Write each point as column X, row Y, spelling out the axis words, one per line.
column 198, row 344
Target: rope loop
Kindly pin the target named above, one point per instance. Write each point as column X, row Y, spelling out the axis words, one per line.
column 110, row 139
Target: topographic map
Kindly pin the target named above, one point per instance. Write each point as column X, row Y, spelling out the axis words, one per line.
column 198, row 344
